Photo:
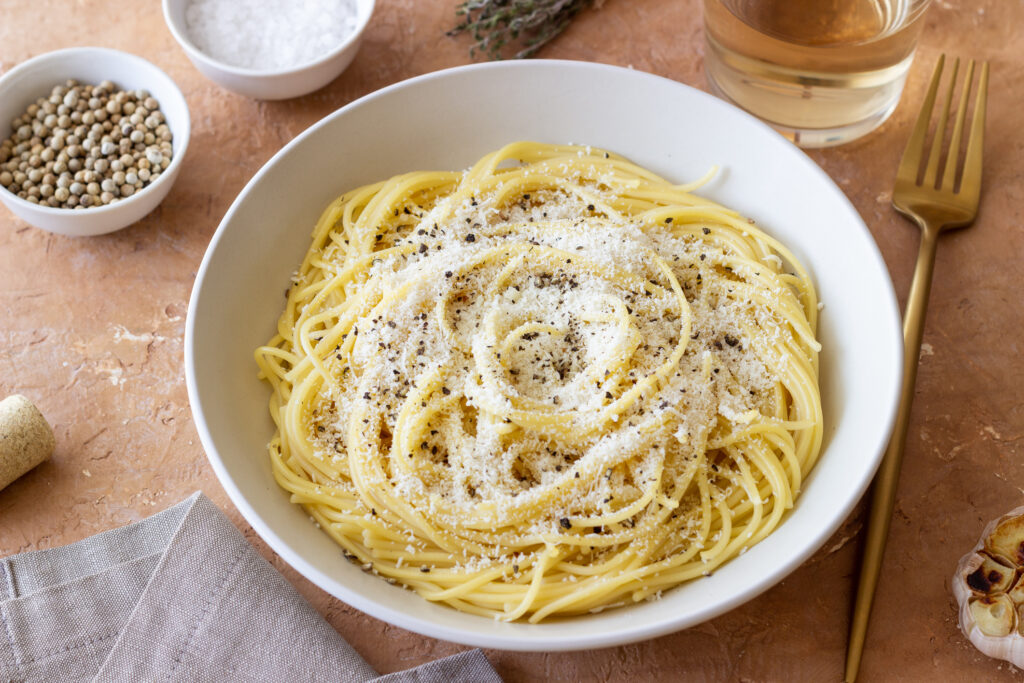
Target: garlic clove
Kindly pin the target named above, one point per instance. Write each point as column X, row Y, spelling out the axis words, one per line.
column 989, row 588
column 991, row 576
column 1007, row 539
column 994, row 614
column 1017, row 592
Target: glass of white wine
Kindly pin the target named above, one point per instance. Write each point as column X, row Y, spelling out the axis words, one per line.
column 821, row 72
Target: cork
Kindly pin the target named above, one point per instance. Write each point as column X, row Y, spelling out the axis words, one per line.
column 25, row 438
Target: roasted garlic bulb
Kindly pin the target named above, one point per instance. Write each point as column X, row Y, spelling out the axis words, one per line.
column 989, row 586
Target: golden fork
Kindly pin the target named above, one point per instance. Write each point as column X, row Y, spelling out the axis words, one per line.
column 935, row 206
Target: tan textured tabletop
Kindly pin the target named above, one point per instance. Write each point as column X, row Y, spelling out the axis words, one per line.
column 91, row 329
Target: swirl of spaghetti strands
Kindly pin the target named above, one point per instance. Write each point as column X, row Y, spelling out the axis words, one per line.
column 548, row 385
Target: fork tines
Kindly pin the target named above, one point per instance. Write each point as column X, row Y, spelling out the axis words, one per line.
column 910, row 169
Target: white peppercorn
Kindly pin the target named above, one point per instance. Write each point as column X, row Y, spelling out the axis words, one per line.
column 85, row 145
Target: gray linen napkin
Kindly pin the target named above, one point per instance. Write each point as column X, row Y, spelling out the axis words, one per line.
column 180, row 596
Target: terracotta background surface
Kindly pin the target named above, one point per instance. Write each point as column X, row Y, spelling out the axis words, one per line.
column 91, row 329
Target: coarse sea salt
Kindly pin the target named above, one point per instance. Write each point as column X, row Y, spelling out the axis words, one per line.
column 269, row 35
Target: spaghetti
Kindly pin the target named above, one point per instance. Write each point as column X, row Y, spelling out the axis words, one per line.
column 549, row 385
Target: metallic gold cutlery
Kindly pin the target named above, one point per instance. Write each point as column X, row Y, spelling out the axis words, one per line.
column 935, row 204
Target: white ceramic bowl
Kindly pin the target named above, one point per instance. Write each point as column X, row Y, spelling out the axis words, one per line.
column 35, row 78
column 269, row 85
column 447, row 120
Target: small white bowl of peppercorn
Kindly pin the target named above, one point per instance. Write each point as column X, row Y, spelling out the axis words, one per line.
column 91, row 139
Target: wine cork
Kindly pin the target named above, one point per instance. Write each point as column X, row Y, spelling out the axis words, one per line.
column 25, row 438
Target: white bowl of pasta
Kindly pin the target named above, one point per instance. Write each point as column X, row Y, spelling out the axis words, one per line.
column 552, row 402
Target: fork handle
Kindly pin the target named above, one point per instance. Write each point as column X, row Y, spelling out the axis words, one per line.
column 883, row 495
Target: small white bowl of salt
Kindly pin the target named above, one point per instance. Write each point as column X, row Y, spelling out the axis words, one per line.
column 267, row 49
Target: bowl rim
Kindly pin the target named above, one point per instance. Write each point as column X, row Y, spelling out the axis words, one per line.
column 634, row 632
column 179, row 143
column 181, row 36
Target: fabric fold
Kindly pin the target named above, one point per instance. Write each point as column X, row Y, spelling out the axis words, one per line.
column 180, row 596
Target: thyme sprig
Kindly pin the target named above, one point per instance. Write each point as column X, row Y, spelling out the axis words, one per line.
column 525, row 26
